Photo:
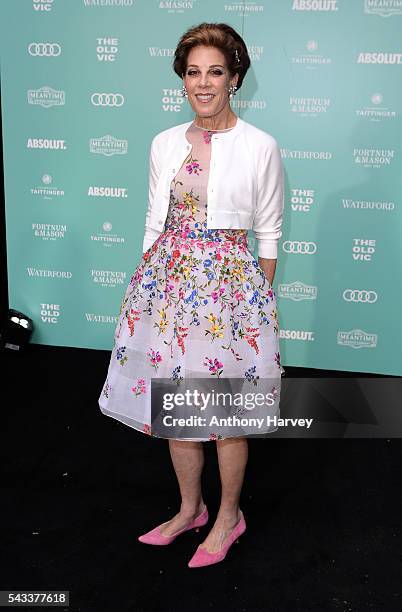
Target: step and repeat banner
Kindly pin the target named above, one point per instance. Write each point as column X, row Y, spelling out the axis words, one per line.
column 85, row 86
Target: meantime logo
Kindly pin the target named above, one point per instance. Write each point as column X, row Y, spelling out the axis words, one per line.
column 298, row 154
column 108, row 145
column 49, row 231
column 172, row 100
column 106, row 238
column 363, row 249
column 373, row 158
column 302, row 199
column 47, row 192
column 312, row 59
column 46, row 97
column 309, row 107
column 379, row 58
column 356, row 339
column 107, row 49
column 376, row 112
column 46, row 143
column 383, row 8
column 297, row 291
column 37, row 273
column 108, row 278
column 107, row 192
column 367, row 205
column 315, row 5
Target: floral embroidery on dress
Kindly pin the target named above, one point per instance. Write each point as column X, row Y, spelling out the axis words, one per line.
column 197, row 305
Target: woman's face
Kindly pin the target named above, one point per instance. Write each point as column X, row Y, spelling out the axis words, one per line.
column 207, row 80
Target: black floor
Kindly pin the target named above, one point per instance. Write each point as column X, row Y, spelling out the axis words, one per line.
column 323, row 516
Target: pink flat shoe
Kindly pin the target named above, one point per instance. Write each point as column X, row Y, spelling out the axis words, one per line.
column 202, row 557
column 155, row 537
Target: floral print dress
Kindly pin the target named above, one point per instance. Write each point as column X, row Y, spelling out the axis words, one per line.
column 197, row 305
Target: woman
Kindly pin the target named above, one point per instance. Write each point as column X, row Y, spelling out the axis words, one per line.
column 199, row 304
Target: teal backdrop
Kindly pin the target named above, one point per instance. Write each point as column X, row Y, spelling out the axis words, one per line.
column 86, row 84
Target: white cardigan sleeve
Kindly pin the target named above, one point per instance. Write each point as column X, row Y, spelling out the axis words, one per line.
column 270, row 201
column 151, row 234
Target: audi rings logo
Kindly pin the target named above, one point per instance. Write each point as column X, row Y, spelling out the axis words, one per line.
column 42, row 49
column 107, row 99
column 360, row 295
column 302, row 248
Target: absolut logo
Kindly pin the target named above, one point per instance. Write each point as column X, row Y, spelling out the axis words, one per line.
column 108, row 278
column 315, row 5
column 41, row 273
column 49, row 231
column 373, row 158
column 46, row 143
column 47, row 192
column 367, row 205
column 309, row 107
column 107, row 49
column 301, row 199
column 46, row 97
column 379, row 58
column 108, row 145
column 363, row 249
column 50, row 313
column 297, row 334
column 297, row 291
column 172, row 100
column 357, row 339
column 107, row 192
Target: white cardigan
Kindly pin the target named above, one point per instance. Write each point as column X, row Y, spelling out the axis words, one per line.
column 245, row 185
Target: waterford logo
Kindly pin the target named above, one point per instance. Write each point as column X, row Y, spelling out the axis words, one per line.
column 356, row 339
column 107, row 3
column 294, row 154
column 383, row 8
column 367, row 204
column 297, row 291
column 46, row 97
column 108, row 145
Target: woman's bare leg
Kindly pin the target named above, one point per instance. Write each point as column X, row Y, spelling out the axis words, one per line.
column 232, row 458
column 188, row 461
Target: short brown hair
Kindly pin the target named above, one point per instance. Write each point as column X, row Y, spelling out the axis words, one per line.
column 219, row 35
